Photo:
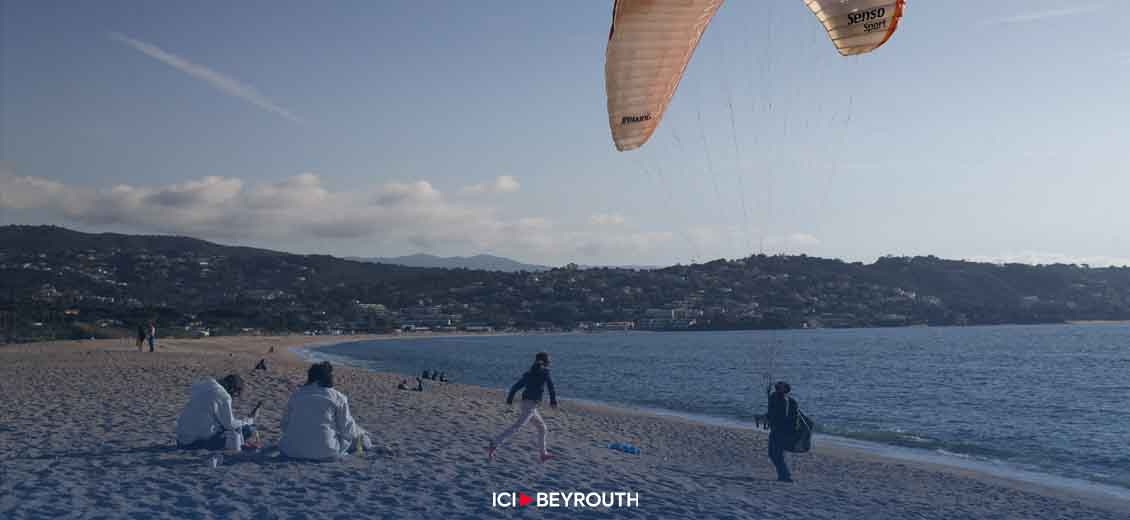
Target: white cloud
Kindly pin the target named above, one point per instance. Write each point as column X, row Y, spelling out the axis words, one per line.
column 792, row 241
column 501, row 184
column 506, row 184
column 225, row 84
column 27, row 192
column 607, row 219
column 634, row 245
column 209, row 192
column 1037, row 16
column 299, row 191
column 407, row 216
column 420, row 192
column 1045, row 258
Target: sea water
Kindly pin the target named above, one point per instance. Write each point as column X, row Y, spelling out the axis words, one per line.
column 1051, row 399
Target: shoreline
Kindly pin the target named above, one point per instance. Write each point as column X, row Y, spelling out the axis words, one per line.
column 958, row 464
column 1097, row 322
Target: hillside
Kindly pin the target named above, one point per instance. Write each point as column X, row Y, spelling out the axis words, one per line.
column 58, row 282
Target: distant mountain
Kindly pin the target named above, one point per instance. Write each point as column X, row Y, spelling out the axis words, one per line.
column 54, row 239
column 631, row 267
column 480, row 263
column 477, row 262
column 56, row 282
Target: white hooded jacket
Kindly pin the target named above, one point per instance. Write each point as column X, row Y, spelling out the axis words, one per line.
column 207, row 413
column 317, row 424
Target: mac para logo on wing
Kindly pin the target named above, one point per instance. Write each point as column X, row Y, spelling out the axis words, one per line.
column 627, row 120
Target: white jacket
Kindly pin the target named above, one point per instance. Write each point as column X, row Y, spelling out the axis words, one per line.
column 317, row 424
column 207, row 413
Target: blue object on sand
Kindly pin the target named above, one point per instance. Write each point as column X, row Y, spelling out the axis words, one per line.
column 624, row 447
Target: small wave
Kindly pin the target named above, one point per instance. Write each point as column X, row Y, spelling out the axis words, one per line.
column 316, row 355
column 896, row 437
column 906, row 439
column 953, row 454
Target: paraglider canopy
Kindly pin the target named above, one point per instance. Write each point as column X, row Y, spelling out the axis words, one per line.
column 651, row 43
column 859, row 26
column 649, row 47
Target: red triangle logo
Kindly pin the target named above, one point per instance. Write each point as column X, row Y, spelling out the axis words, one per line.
column 524, row 499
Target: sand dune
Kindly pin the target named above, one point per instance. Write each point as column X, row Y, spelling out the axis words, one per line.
column 86, row 431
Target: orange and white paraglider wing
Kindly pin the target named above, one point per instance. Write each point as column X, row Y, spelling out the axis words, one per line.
column 649, row 46
column 858, row 26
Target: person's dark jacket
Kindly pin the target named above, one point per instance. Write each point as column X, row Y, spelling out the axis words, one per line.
column 782, row 413
column 533, row 381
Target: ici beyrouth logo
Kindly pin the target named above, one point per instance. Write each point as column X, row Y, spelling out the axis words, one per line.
column 568, row 499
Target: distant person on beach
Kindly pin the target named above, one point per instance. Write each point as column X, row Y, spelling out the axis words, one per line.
column 419, row 385
column 427, row 374
column 782, row 418
column 140, row 336
column 443, row 377
column 208, row 418
column 317, row 424
column 403, row 385
column 535, row 380
column 435, row 375
column 152, row 335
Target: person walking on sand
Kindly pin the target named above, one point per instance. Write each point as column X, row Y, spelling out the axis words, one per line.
column 317, row 424
column 152, row 335
column 534, row 381
column 782, row 418
column 140, row 336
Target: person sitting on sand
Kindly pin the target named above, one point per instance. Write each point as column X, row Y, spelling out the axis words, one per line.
column 208, row 417
column 782, row 418
column 261, row 365
column 317, row 424
column 403, row 385
column 533, row 381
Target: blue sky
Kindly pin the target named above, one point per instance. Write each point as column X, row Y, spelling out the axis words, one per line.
column 982, row 130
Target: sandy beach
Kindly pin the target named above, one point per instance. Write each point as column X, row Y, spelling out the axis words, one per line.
column 86, row 431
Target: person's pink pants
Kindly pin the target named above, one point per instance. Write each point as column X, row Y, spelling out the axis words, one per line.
column 528, row 410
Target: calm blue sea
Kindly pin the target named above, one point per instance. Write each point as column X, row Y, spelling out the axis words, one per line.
column 1051, row 399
